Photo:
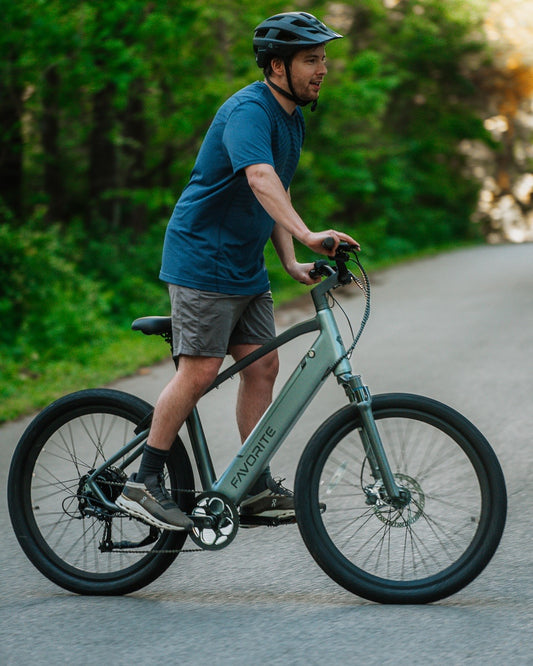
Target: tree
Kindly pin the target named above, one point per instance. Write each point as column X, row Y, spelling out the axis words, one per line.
column 12, row 78
column 397, row 103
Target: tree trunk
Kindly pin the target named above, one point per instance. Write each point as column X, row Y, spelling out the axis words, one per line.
column 102, row 158
column 136, row 140
column 11, row 146
column 53, row 185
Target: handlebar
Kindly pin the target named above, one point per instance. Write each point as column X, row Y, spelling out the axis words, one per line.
column 340, row 276
column 342, row 255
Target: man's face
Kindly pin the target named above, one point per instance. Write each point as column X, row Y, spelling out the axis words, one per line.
column 308, row 69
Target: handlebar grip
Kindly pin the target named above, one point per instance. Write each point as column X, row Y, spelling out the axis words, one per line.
column 328, row 243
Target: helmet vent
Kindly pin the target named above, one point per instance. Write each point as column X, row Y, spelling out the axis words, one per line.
column 282, row 35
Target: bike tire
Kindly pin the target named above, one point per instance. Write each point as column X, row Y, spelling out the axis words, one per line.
column 63, row 443
column 426, row 551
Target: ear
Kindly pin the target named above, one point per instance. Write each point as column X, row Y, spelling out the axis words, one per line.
column 278, row 67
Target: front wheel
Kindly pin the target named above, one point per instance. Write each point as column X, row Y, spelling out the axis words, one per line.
column 62, row 528
column 449, row 526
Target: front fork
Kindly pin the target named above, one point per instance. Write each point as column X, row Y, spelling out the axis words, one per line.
column 359, row 394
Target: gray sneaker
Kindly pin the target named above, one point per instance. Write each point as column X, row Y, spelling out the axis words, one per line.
column 151, row 502
column 274, row 502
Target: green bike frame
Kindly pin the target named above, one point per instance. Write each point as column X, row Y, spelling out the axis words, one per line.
column 327, row 354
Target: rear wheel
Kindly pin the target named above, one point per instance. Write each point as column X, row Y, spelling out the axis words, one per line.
column 63, row 529
column 453, row 514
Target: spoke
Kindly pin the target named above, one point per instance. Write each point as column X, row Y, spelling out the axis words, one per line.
column 70, row 452
column 428, row 534
column 58, row 483
column 69, row 447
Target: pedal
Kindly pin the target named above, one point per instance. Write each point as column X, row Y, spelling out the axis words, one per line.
column 265, row 521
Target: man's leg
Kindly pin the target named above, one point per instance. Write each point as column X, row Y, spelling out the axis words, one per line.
column 255, row 388
column 144, row 495
column 268, row 499
column 194, row 375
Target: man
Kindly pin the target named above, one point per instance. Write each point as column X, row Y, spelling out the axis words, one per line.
column 237, row 198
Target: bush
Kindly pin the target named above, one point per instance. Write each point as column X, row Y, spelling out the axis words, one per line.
column 47, row 305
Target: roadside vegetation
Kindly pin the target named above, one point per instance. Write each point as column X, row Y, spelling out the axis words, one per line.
column 103, row 107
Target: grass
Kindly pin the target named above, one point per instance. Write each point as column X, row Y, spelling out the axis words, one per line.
column 26, row 388
column 118, row 354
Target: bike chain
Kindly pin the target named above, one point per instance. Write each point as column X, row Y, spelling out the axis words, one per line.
column 164, row 551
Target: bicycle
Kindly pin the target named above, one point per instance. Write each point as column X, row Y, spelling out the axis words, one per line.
column 399, row 498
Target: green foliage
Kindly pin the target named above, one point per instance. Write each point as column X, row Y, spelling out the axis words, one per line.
column 46, row 304
column 396, row 105
column 104, row 106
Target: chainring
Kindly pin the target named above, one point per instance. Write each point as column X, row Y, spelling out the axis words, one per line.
column 217, row 521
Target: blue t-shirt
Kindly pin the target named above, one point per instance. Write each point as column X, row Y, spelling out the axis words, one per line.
column 218, row 231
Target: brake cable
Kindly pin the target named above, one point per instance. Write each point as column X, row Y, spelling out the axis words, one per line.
column 364, row 284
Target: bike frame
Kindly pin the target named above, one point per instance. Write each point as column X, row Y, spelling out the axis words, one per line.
column 327, row 354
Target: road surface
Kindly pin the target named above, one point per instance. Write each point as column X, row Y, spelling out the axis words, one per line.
column 457, row 327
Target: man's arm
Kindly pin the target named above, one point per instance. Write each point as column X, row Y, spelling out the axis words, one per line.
column 282, row 241
column 271, row 194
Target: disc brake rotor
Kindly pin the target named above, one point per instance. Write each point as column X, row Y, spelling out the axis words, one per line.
column 407, row 515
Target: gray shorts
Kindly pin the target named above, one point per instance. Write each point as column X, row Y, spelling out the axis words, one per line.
column 206, row 323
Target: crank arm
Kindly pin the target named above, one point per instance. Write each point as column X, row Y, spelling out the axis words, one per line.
column 203, row 522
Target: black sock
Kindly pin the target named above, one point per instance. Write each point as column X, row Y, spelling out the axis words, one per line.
column 261, row 483
column 152, row 463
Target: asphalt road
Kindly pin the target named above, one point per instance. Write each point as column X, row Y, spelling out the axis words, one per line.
column 458, row 327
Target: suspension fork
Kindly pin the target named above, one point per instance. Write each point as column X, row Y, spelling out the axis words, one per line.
column 359, row 394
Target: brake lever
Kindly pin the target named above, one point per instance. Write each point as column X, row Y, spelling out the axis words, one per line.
column 321, row 269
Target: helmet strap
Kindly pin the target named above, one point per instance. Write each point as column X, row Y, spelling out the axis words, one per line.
column 292, row 95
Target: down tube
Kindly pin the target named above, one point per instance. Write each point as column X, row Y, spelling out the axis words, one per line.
column 278, row 420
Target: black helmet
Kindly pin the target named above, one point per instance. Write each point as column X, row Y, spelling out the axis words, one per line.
column 284, row 34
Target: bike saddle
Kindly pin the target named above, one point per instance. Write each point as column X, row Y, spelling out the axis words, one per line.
column 153, row 325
